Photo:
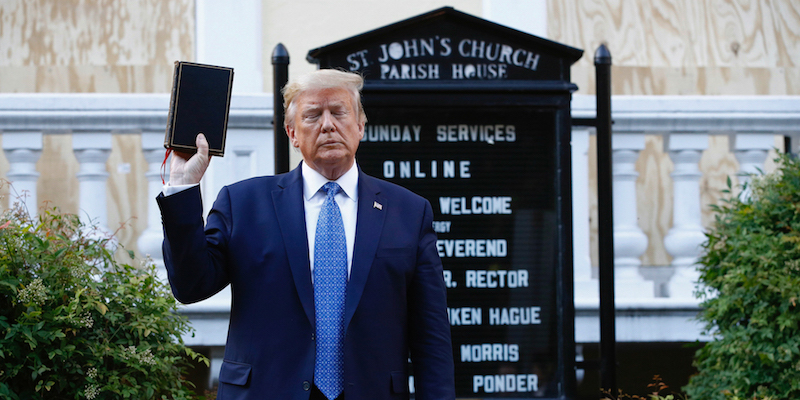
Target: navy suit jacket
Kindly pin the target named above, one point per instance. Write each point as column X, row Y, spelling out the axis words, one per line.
column 255, row 240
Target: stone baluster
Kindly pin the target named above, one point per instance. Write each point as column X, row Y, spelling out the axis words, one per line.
column 751, row 151
column 92, row 151
column 23, row 150
column 585, row 287
column 629, row 240
column 150, row 241
column 686, row 235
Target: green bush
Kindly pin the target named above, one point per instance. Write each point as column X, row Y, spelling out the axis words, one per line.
column 76, row 324
column 751, row 273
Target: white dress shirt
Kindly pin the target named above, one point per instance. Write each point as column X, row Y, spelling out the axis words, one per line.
column 346, row 199
column 313, row 197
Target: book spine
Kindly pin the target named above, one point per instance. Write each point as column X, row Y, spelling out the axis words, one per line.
column 173, row 98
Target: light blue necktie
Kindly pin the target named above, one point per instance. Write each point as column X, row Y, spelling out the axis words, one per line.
column 330, row 282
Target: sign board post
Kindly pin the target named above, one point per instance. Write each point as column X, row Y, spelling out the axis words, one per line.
column 475, row 117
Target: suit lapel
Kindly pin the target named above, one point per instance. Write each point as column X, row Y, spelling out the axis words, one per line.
column 369, row 224
column 290, row 211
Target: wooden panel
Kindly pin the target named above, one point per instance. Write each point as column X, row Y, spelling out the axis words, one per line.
column 93, row 45
column 340, row 19
column 127, row 190
column 770, row 165
column 685, row 46
column 87, row 79
column 692, row 81
column 716, row 164
column 4, row 186
column 58, row 183
column 654, row 199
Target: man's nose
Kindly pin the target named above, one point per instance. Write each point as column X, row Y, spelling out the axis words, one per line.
column 327, row 122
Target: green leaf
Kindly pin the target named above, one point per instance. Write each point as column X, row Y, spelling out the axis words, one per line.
column 87, row 320
column 753, row 316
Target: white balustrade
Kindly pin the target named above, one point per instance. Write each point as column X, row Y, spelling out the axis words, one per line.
column 686, row 235
column 753, row 121
column 630, row 242
column 150, row 240
column 92, row 151
column 23, row 150
column 751, row 151
column 586, row 287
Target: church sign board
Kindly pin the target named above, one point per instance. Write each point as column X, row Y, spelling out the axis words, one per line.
column 475, row 117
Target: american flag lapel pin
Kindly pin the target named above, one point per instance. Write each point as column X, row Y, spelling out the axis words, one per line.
column 377, row 205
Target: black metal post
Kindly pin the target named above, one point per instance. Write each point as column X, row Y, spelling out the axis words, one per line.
column 608, row 340
column 280, row 75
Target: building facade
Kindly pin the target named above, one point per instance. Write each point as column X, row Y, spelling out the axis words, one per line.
column 703, row 90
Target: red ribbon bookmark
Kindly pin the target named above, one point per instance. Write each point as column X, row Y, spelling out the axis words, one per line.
column 164, row 165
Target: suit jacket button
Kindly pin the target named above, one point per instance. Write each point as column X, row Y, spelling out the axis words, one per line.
column 306, row 385
column 313, row 337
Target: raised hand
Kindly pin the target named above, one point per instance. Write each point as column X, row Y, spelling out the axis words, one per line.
column 187, row 168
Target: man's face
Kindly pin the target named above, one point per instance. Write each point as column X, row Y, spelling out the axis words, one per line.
column 327, row 130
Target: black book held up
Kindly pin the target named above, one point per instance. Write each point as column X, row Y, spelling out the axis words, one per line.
column 200, row 103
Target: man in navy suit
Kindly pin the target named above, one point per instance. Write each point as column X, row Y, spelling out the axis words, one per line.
column 261, row 238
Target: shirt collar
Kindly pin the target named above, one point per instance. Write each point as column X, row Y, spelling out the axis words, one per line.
column 313, row 181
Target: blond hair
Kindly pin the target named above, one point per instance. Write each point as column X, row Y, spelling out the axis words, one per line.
column 323, row 79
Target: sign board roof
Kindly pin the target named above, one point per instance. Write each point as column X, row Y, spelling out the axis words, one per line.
column 448, row 45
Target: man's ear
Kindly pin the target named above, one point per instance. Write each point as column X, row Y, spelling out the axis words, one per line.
column 290, row 134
